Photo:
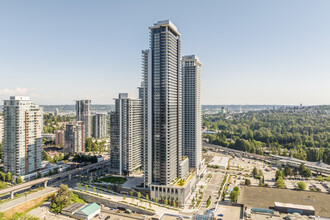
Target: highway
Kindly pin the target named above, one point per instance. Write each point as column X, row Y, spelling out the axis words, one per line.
column 16, row 202
column 50, row 178
column 257, row 156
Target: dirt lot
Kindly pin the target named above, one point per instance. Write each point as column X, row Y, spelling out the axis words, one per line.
column 262, row 197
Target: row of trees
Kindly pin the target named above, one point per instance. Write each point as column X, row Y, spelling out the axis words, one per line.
column 84, row 158
column 94, row 146
column 304, row 134
column 55, row 158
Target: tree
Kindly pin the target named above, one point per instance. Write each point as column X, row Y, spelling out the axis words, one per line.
column 3, row 176
column 147, row 197
column 61, row 199
column 44, row 155
column 38, row 175
column 156, row 199
column 247, row 182
column 234, row 194
column 280, row 182
column 287, row 171
column 124, row 197
column 260, row 173
column 79, row 185
column 9, row 176
column 302, row 168
column 294, row 172
column 254, row 172
column 285, row 152
column 307, row 173
column 139, row 195
column 301, row 185
column 279, row 173
column 165, row 202
column 19, row 180
column 88, row 144
column 208, row 202
column 94, row 189
column 66, row 157
column 131, row 192
column 86, row 187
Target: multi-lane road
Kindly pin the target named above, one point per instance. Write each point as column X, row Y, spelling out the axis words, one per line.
column 54, row 178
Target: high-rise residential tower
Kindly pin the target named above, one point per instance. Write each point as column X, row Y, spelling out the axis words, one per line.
column 22, row 141
column 192, row 113
column 1, row 129
column 83, row 113
column 125, row 135
column 161, row 104
column 59, row 137
column 74, row 137
column 99, row 126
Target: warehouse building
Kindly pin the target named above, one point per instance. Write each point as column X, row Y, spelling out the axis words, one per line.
column 88, row 212
column 71, row 209
column 293, row 208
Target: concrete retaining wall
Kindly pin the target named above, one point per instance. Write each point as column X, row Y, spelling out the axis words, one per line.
column 106, row 202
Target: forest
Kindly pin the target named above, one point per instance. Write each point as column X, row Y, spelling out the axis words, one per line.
column 303, row 133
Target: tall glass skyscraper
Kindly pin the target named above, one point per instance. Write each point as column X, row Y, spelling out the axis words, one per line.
column 161, row 94
column 192, row 111
column 83, row 113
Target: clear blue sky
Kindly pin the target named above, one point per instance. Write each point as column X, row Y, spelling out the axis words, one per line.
column 254, row 52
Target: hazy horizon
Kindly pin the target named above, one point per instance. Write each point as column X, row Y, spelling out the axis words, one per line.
column 255, row 52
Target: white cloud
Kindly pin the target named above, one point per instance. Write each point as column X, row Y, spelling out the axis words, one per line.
column 12, row 92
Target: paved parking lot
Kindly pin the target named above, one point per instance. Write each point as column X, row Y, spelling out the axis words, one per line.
column 228, row 212
column 113, row 216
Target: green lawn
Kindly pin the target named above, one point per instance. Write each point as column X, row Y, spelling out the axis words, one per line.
column 112, row 179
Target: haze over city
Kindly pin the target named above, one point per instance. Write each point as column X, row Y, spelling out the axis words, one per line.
column 253, row 52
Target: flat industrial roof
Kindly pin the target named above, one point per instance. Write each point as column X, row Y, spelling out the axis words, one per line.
column 89, row 209
column 294, row 206
column 73, row 207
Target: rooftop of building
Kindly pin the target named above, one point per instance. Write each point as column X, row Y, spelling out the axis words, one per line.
column 19, row 98
column 166, row 23
column 89, row 209
column 126, row 96
column 73, row 207
column 294, row 206
column 190, row 58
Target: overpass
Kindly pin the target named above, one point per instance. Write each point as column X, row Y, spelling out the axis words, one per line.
column 251, row 155
column 45, row 180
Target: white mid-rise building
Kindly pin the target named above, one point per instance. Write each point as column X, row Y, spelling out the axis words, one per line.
column 125, row 135
column 22, row 140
